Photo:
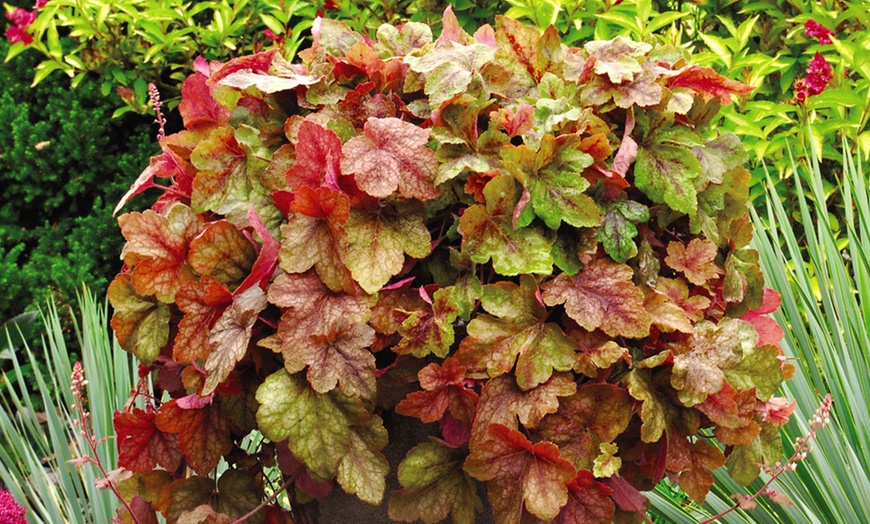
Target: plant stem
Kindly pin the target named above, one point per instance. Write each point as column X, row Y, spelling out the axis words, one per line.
column 265, row 503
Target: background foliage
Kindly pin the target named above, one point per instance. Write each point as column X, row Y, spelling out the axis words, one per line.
column 64, row 164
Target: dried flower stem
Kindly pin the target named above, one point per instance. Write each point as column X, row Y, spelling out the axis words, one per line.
column 84, row 424
column 820, row 419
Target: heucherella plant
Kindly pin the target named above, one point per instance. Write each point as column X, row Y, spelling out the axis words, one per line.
column 540, row 252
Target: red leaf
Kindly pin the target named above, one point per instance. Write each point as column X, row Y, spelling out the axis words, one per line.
column 229, row 338
column 391, row 155
column 626, row 496
column 203, row 434
column 257, row 63
column 443, row 389
column 521, row 475
column 452, row 31
column 156, row 249
column 318, row 158
column 601, row 296
column 197, row 107
column 267, row 260
column 516, row 123
column 596, row 414
column 203, row 302
column 502, row 401
column 696, row 260
column 589, row 502
column 315, row 325
column 698, row 459
column 768, row 329
column 141, row 446
column 709, row 82
column 338, row 356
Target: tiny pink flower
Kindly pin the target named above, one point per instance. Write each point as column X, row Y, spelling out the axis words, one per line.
column 40, row 4
column 817, row 30
column 818, row 74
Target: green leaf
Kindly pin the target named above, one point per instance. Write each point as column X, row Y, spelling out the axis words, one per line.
column 656, row 411
column 222, row 180
column 488, row 232
column 331, row 433
column 222, row 251
column 434, row 486
column 618, row 228
column 719, row 155
column 553, row 177
column 619, row 59
column 666, row 174
column 238, row 494
column 449, row 69
column 378, row 241
column 141, row 324
column 517, row 332
column 607, row 463
column 430, row 330
column 759, row 369
column 699, row 367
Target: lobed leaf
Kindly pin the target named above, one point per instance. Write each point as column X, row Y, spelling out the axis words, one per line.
column 602, row 296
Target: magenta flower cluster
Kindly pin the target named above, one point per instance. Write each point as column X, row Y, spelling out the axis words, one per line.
column 21, row 19
column 10, row 511
column 817, row 30
column 819, row 72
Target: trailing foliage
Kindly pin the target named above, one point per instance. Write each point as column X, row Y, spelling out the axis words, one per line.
column 542, row 249
column 62, row 166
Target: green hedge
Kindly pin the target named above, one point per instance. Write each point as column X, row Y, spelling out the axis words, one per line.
column 64, row 164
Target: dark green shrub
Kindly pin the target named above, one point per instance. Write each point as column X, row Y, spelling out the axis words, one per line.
column 64, row 164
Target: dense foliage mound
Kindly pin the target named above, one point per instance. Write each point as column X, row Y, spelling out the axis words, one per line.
column 539, row 250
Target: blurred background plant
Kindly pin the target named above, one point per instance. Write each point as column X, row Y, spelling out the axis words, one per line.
column 39, row 446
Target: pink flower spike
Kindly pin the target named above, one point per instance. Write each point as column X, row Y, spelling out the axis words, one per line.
column 817, row 30
column 40, row 4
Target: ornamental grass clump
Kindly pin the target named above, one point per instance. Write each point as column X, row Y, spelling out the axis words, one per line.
column 540, row 252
